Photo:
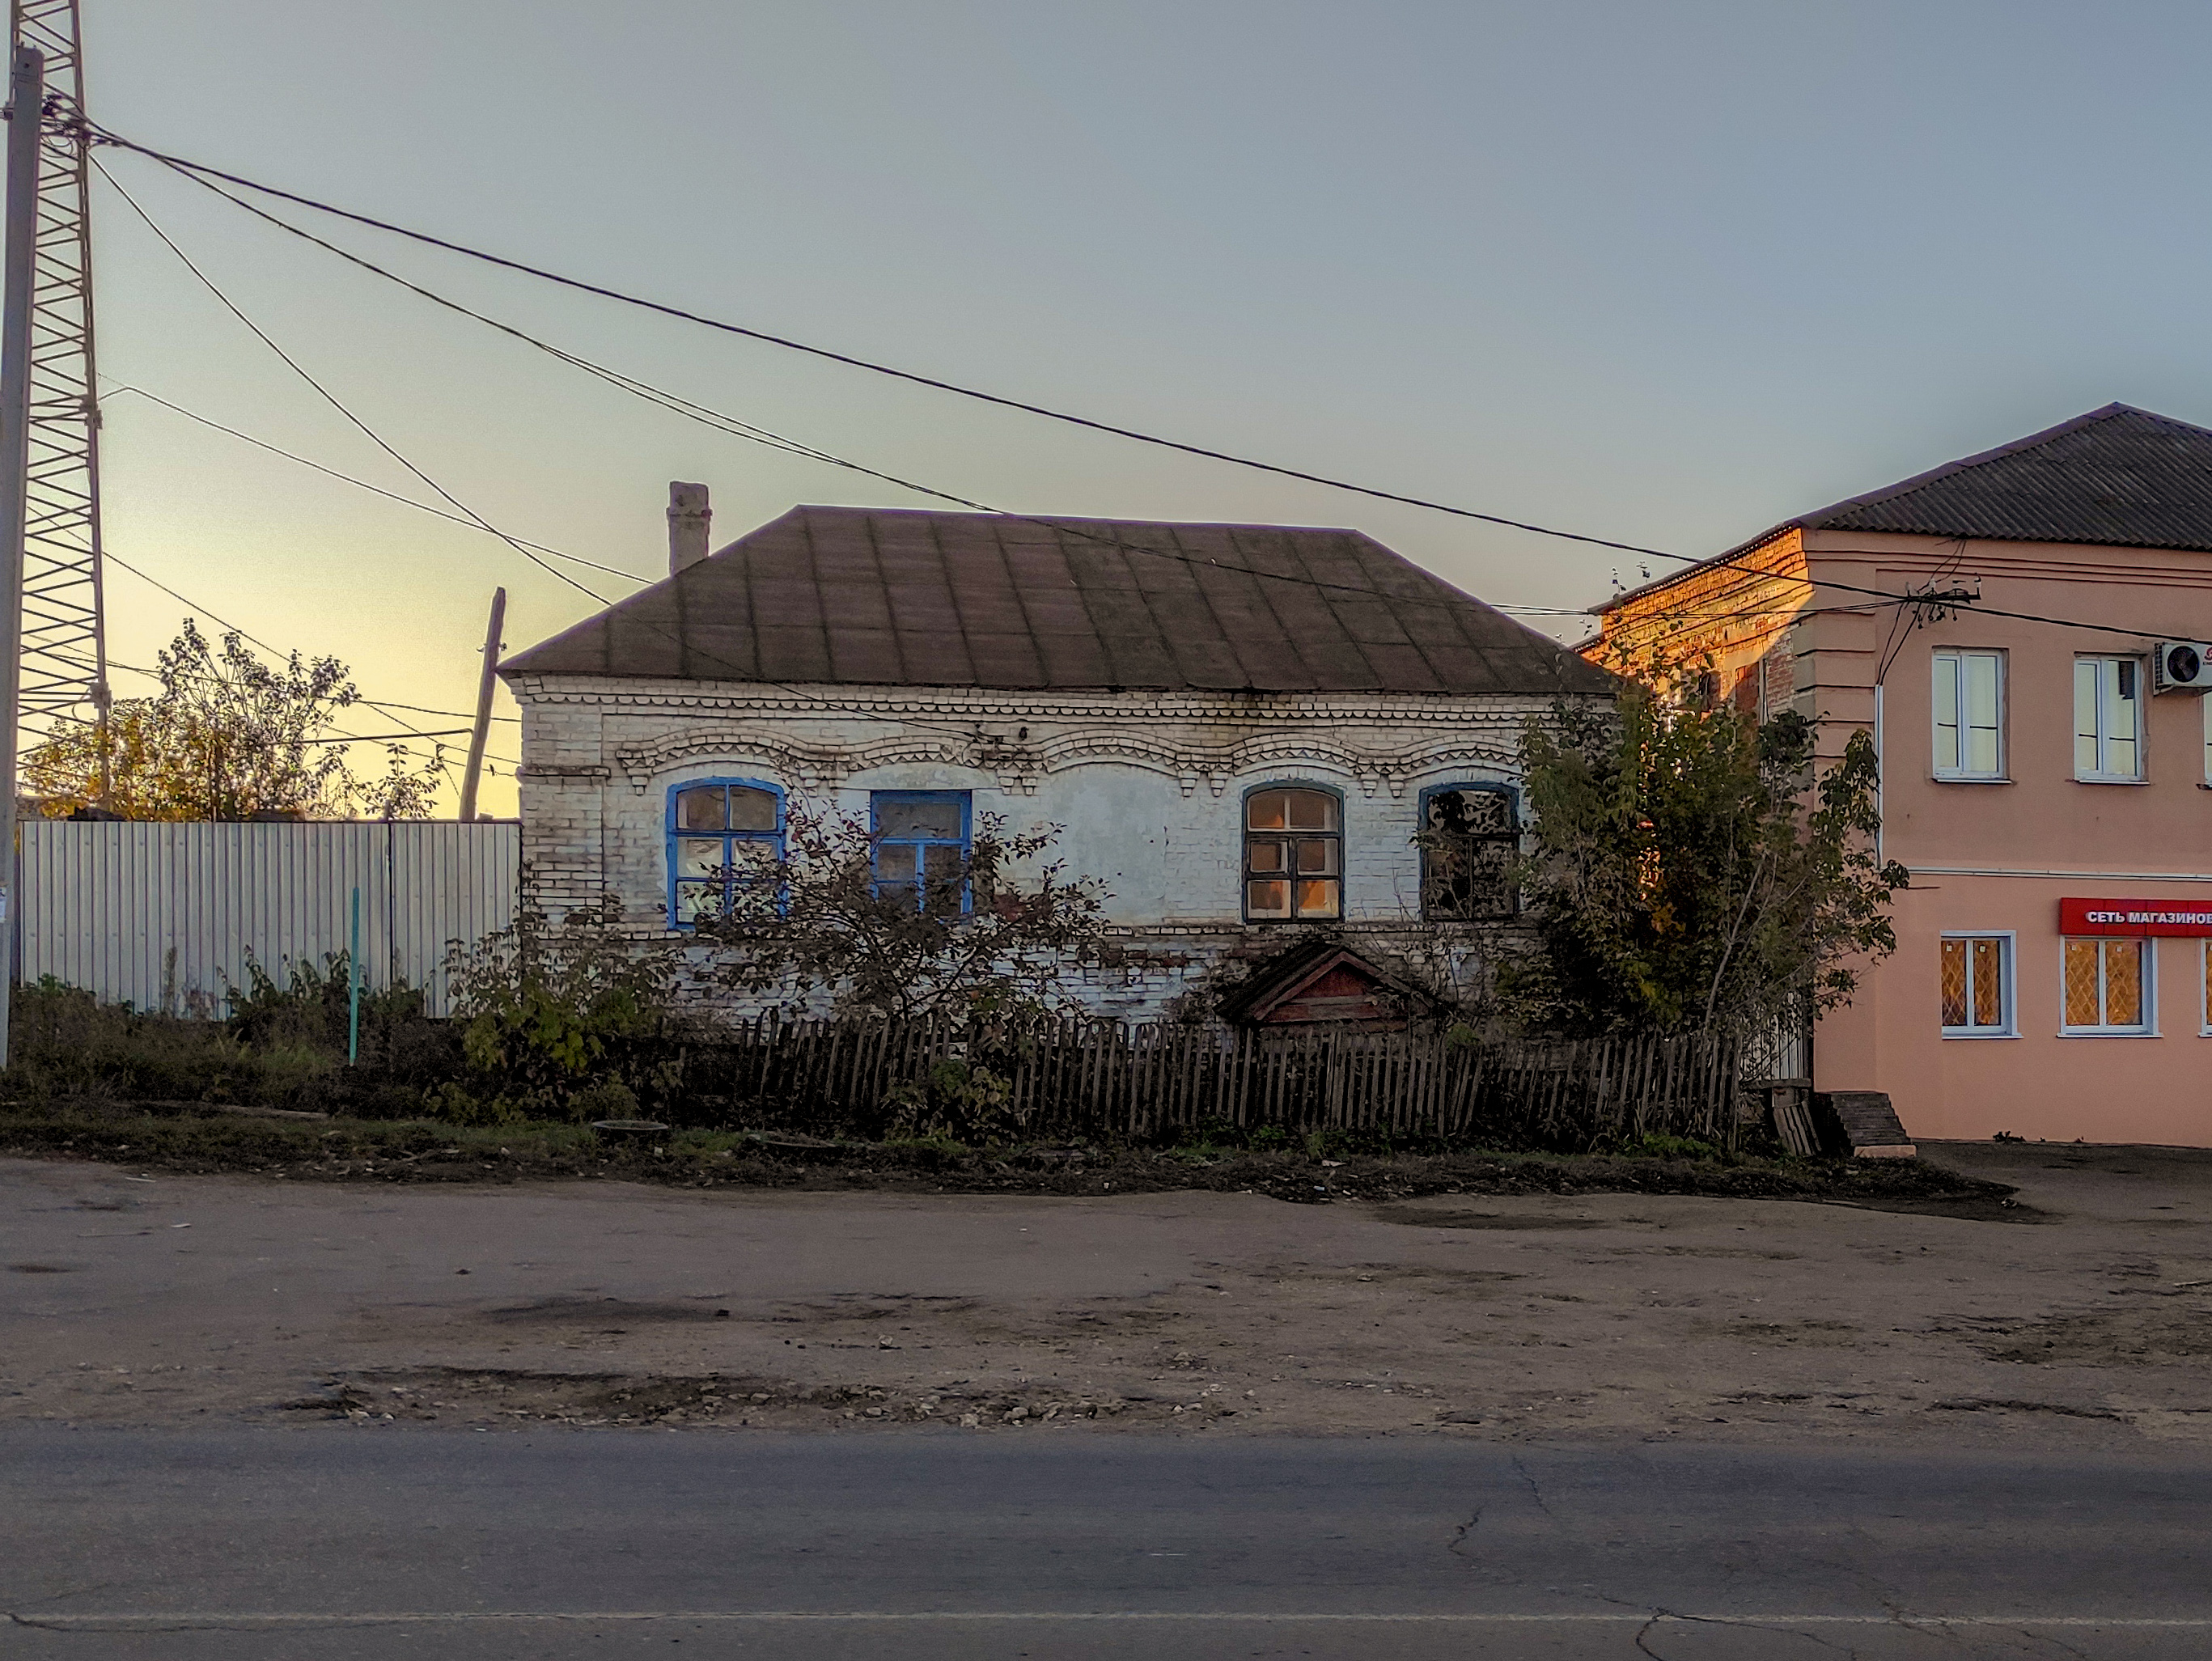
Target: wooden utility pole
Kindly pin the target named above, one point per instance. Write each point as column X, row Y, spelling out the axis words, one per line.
column 27, row 101
column 485, row 683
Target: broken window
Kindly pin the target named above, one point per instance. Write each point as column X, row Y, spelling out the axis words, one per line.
column 1469, row 836
column 920, row 843
column 723, row 834
column 1293, row 856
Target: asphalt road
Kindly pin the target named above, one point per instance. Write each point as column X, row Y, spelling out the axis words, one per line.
column 312, row 1544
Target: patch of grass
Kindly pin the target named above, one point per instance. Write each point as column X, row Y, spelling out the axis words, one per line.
column 1675, row 1147
column 187, row 1137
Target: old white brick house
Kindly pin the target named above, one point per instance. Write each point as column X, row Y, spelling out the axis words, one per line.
column 1241, row 728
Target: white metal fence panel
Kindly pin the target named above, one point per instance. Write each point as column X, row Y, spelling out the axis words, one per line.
column 165, row 916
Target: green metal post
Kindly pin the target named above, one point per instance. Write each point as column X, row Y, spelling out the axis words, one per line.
column 352, row 986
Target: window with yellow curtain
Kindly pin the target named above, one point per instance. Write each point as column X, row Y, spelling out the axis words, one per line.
column 1293, row 856
column 1977, row 986
column 2107, row 986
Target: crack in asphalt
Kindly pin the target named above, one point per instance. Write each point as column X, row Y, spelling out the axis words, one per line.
column 2057, row 1643
column 1536, row 1493
column 62, row 1623
column 1460, row 1533
column 1659, row 1614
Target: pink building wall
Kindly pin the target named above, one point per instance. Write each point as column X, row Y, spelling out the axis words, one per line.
column 1999, row 856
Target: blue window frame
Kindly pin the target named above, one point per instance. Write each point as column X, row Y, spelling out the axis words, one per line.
column 920, row 840
column 721, row 832
column 1468, row 836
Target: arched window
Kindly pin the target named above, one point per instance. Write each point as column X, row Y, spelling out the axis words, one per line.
column 721, row 832
column 1293, row 856
column 1468, row 836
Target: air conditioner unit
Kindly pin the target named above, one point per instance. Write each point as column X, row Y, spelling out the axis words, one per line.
column 2181, row 665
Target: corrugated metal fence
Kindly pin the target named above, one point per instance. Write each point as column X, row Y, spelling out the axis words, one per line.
column 163, row 916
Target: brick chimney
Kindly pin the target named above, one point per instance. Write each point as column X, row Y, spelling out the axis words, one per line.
column 687, row 518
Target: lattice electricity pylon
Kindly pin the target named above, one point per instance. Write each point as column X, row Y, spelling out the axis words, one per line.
column 65, row 663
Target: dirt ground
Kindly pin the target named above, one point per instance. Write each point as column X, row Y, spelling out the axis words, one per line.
column 2082, row 1313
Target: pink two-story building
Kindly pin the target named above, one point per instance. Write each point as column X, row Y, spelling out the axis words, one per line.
column 2023, row 632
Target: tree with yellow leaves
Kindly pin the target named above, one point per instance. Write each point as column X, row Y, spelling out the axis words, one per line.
column 228, row 737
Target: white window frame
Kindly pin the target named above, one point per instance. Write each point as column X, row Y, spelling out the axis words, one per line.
column 2148, row 1026
column 2205, row 704
column 2007, row 957
column 2107, row 670
column 1951, row 665
column 2204, row 989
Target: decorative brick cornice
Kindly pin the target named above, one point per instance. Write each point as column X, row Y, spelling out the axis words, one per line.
column 815, row 765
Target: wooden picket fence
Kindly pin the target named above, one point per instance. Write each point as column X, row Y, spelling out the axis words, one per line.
column 1150, row 1081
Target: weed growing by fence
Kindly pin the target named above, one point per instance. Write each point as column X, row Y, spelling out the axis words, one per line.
column 285, row 1048
column 422, row 1150
column 566, row 1025
column 567, row 1020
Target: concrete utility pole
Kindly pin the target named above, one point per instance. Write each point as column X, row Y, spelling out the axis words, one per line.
column 482, row 731
column 27, row 100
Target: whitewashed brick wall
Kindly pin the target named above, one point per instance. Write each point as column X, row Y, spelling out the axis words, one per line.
column 1148, row 787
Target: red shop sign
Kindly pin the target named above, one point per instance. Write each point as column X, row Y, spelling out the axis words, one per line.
column 2135, row 918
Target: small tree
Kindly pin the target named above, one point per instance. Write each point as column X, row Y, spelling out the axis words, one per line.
column 970, row 938
column 228, row 736
column 1695, row 869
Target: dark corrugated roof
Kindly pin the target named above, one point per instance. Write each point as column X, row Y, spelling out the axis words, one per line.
column 2118, row 476
column 877, row 597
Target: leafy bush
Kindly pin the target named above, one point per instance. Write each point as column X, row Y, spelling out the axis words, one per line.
column 284, row 1047
column 958, row 1102
column 555, row 1018
column 987, row 940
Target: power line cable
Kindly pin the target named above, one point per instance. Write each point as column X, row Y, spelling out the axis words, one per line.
column 720, row 421
column 379, row 737
column 670, row 400
column 202, row 174
column 348, row 478
column 675, row 402
column 735, row 426
column 343, row 737
column 277, row 652
column 331, row 399
column 120, row 387
column 259, row 333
